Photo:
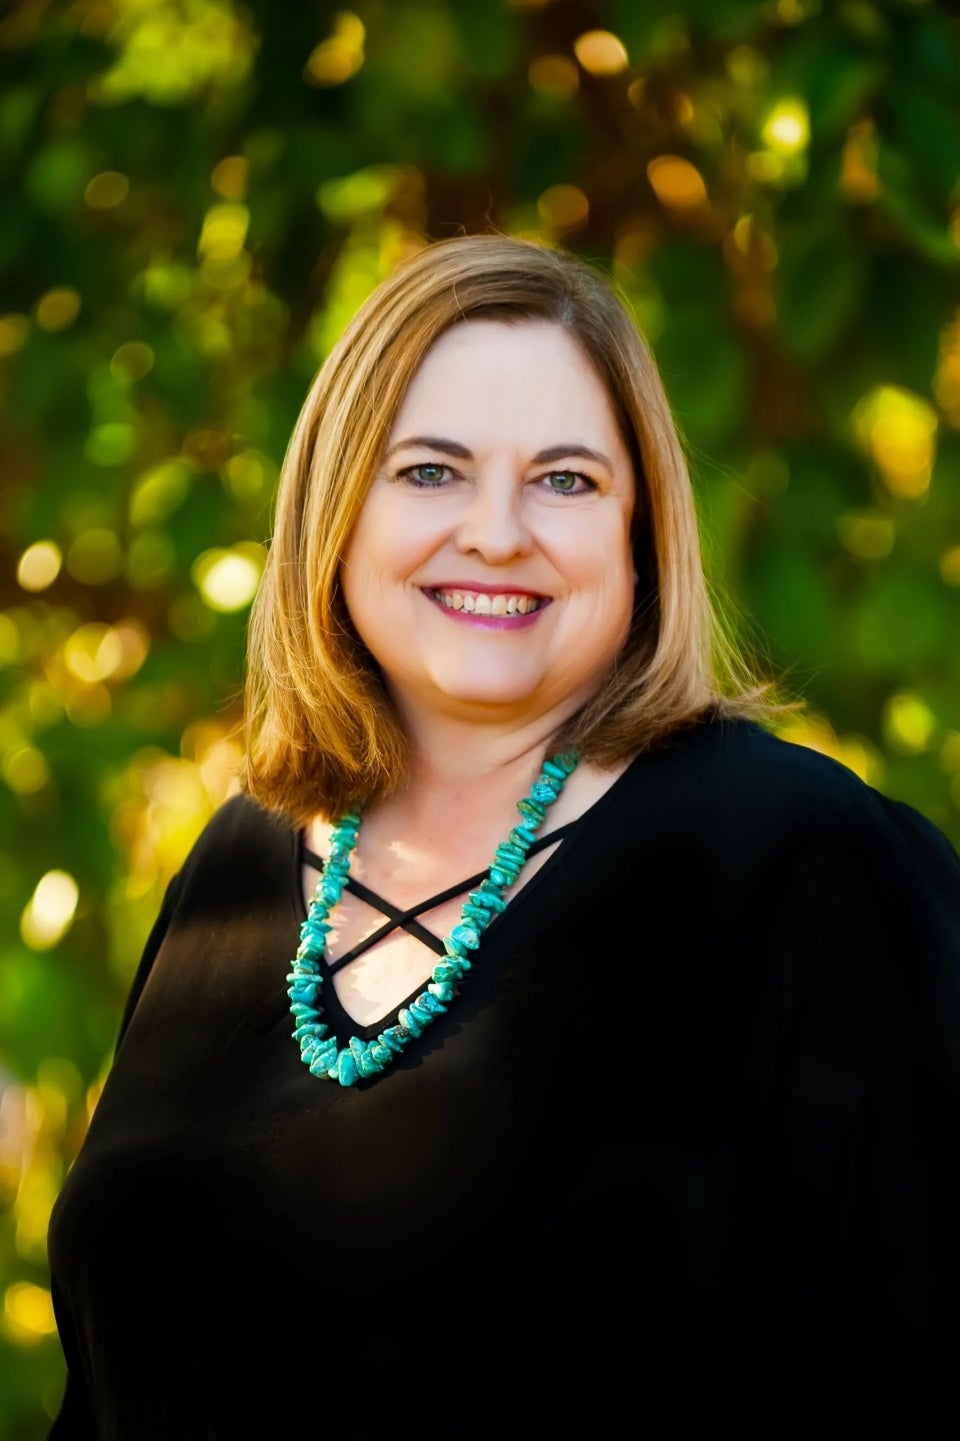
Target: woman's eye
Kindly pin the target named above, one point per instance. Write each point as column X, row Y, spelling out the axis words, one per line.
column 428, row 473
column 568, row 482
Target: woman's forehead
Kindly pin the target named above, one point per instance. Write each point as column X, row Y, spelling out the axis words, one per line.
column 491, row 369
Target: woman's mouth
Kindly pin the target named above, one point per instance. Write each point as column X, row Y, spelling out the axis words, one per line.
column 483, row 603
column 496, row 610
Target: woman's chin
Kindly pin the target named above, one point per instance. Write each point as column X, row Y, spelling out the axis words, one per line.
column 473, row 692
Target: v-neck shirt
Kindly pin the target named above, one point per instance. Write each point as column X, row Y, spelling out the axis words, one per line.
column 686, row 1139
column 397, row 918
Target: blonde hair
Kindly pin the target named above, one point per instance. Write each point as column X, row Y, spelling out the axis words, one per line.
column 321, row 733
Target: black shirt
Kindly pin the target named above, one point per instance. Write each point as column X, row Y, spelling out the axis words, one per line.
column 683, row 1152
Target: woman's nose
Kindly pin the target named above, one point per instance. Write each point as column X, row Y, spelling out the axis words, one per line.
column 494, row 526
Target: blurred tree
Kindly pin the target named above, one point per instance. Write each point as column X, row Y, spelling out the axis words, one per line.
column 199, row 195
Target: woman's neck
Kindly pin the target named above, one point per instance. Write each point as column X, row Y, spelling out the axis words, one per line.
column 462, row 764
column 448, row 786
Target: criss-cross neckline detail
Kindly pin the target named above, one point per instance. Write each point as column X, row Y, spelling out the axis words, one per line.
column 398, row 918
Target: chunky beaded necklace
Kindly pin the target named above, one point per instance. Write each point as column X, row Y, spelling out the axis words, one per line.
column 359, row 1058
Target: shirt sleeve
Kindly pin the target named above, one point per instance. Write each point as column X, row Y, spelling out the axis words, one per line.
column 866, row 1200
column 74, row 1420
column 151, row 947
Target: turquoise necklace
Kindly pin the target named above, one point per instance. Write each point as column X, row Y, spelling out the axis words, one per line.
column 359, row 1059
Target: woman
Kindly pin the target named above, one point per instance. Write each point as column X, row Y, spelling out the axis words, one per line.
column 535, row 1041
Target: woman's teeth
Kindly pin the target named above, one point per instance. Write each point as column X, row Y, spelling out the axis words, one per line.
column 484, row 604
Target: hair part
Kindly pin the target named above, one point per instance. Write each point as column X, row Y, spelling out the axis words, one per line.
column 321, row 732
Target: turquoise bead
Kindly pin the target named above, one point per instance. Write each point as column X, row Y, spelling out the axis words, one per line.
column 309, row 1028
column 409, row 1022
column 444, row 971
column 430, row 1004
column 396, row 1037
column 303, row 1011
column 367, row 1065
column 311, row 947
column 304, row 991
column 535, row 812
column 346, row 1071
column 323, row 1060
column 549, row 768
column 545, row 792
column 306, row 966
column 315, row 933
column 488, row 899
column 467, row 936
column 443, row 990
column 381, row 1054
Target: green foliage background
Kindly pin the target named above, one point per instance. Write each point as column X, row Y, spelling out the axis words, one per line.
column 198, row 193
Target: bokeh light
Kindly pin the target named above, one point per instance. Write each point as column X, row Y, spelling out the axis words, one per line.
column 898, row 429
column 14, row 330
column 564, row 207
column 50, row 911
column 787, row 127
column 131, row 361
column 600, row 52
column 909, row 724
column 39, row 565
column 554, row 75
column 229, row 177
column 677, row 183
column 58, row 308
column 338, row 58
column 107, row 190
column 228, row 579
column 28, row 1311
column 950, row 565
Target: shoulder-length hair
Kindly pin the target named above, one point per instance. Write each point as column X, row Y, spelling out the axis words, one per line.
column 321, row 732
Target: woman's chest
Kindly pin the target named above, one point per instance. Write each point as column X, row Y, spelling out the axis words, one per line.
column 386, row 940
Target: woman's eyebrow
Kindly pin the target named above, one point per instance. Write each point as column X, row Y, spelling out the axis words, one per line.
column 431, row 442
column 542, row 457
column 566, row 452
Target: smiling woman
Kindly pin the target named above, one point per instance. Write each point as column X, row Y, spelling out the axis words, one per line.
column 521, row 353
column 544, row 1039
column 467, row 540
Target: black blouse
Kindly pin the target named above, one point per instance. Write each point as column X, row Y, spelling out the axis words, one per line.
column 685, row 1151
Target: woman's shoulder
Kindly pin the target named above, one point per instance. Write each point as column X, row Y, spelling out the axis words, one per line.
column 241, row 844
column 735, row 778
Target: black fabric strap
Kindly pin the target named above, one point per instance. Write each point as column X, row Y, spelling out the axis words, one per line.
column 407, row 919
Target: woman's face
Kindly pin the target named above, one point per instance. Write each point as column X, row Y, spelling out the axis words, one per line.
column 490, row 572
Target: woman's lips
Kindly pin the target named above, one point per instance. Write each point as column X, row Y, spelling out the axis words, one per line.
column 489, row 622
